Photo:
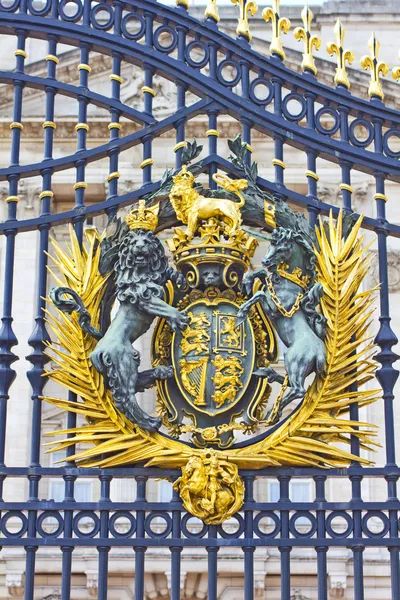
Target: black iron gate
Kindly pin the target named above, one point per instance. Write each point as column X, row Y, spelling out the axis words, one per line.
column 224, row 76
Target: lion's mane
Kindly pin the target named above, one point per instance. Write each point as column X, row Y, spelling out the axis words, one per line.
column 137, row 283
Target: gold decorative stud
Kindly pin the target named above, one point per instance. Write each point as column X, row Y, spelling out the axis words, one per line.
column 212, row 10
column 310, row 41
column 246, row 9
column 341, row 77
column 377, row 68
column 396, row 72
column 278, row 24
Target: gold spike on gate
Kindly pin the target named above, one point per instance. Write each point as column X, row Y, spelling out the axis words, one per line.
column 279, row 24
column 376, row 67
column 310, row 41
column 343, row 56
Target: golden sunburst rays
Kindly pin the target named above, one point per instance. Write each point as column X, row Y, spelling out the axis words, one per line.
column 313, row 436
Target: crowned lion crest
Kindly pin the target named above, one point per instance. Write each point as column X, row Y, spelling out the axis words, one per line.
column 218, row 324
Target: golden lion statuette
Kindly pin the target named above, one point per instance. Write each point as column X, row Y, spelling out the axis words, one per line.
column 210, row 488
column 191, row 208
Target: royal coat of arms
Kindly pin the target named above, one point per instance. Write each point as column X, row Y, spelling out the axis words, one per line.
column 225, row 399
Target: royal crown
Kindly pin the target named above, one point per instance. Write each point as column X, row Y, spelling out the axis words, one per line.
column 212, row 245
column 143, row 217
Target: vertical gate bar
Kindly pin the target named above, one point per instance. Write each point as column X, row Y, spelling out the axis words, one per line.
column 312, row 179
column 248, row 534
column 212, row 131
column 148, row 72
column 176, row 551
column 114, row 126
column 29, row 588
column 7, row 335
column 311, row 172
column 80, row 185
column 40, row 336
column 278, row 161
column 246, row 123
column 358, row 572
column 284, row 481
column 387, row 375
column 102, row 589
column 394, row 534
column 358, row 548
column 212, row 136
column 148, row 94
column 66, row 565
column 345, row 186
column 321, row 534
column 212, row 564
column 140, row 534
column 180, row 100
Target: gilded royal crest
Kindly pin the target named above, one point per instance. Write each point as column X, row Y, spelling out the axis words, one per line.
column 224, row 397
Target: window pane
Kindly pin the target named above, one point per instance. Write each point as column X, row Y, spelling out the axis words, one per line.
column 165, row 491
column 300, row 491
column 83, row 491
column 273, row 491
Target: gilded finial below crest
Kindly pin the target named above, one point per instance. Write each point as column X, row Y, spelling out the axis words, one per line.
column 278, row 24
column 343, row 56
column 211, row 11
column 310, row 41
column 246, row 9
column 142, row 217
column 396, row 72
column 378, row 68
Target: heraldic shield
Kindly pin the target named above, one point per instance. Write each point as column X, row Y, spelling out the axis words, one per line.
column 215, row 358
column 214, row 388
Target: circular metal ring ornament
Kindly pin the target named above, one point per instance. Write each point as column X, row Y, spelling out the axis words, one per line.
column 98, row 9
column 50, row 514
column 86, row 514
column 125, row 23
column 122, row 514
column 38, row 12
column 326, row 110
column 267, row 514
column 190, row 534
column 339, row 534
column 158, row 515
column 11, row 8
column 375, row 514
column 14, row 514
column 294, row 117
column 235, row 534
column 303, row 514
column 197, row 64
column 367, row 126
column 261, row 82
column 228, row 63
column 392, row 133
column 174, row 39
column 71, row 18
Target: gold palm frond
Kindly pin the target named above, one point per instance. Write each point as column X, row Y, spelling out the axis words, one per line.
column 306, row 438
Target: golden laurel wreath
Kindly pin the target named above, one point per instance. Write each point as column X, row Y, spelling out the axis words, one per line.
column 306, row 438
